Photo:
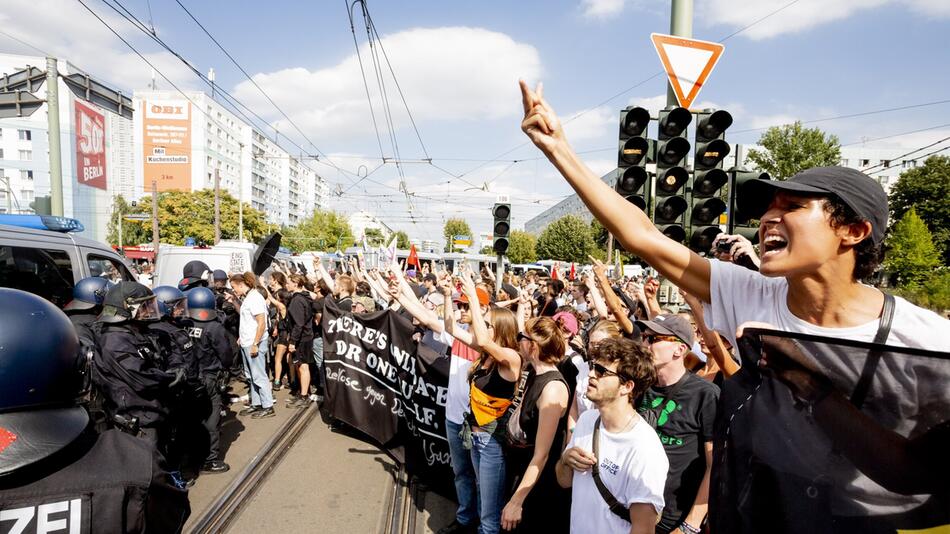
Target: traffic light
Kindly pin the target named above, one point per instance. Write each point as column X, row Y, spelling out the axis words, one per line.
column 740, row 223
column 502, row 227
column 632, row 177
column 671, row 174
column 706, row 204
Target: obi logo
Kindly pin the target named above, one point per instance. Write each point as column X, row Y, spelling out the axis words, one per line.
column 168, row 109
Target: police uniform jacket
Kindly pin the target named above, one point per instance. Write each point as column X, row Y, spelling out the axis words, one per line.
column 175, row 345
column 129, row 372
column 212, row 346
column 101, row 483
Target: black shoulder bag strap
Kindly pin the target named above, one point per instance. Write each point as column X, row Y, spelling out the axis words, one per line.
column 614, row 505
column 874, row 357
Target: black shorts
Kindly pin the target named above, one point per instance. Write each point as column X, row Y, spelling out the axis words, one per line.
column 303, row 353
column 282, row 337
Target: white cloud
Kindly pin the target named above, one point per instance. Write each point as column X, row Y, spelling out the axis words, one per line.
column 68, row 31
column 593, row 124
column 602, row 8
column 801, row 16
column 446, row 74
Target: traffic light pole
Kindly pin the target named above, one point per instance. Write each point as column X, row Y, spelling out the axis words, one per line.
column 499, row 274
column 55, row 152
column 681, row 25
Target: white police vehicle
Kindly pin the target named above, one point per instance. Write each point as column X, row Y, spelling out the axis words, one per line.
column 41, row 254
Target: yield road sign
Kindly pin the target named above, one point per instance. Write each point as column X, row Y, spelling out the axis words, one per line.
column 687, row 62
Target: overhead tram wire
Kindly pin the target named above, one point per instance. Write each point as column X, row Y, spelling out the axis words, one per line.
column 864, row 141
column 359, row 58
column 233, row 102
column 866, row 169
column 853, row 115
column 918, row 158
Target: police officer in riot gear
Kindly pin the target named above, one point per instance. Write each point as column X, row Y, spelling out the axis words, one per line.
column 225, row 300
column 84, row 309
column 212, row 346
column 56, row 474
column 130, row 370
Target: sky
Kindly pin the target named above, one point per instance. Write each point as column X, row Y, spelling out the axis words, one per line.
column 456, row 65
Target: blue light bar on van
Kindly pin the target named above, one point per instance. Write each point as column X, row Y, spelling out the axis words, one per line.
column 43, row 222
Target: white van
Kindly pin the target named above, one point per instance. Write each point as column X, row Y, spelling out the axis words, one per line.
column 42, row 255
column 229, row 256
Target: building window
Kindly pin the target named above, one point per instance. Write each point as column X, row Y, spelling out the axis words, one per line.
column 886, row 163
column 844, row 162
column 26, row 175
column 864, row 163
column 26, row 155
column 26, row 195
column 25, row 135
column 1, row 153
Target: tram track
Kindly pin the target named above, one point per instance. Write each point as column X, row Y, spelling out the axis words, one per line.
column 221, row 513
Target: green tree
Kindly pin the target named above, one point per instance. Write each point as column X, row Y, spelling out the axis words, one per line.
column 926, row 188
column 374, row 237
column 911, row 256
column 324, row 230
column 487, row 250
column 521, row 247
column 792, row 148
column 184, row 214
column 402, row 240
column 566, row 239
column 133, row 232
column 454, row 227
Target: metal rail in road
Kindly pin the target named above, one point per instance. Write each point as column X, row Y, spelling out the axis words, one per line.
column 226, row 507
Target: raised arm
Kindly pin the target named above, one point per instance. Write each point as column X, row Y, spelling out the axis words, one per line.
column 713, row 342
column 613, row 301
column 595, row 297
column 322, row 273
column 629, row 225
column 506, row 357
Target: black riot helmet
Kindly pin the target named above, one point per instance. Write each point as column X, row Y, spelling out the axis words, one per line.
column 42, row 377
column 129, row 301
column 195, row 274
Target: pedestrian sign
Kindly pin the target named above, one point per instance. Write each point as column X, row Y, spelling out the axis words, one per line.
column 687, row 62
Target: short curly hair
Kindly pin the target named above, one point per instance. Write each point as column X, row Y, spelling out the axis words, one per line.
column 867, row 255
column 634, row 362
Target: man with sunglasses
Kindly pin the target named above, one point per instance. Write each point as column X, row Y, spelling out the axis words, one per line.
column 682, row 408
column 629, row 458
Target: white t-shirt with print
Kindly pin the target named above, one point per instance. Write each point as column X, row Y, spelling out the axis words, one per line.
column 252, row 306
column 457, row 397
column 633, row 466
column 739, row 295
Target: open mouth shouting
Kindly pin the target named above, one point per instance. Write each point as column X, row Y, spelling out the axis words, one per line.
column 773, row 244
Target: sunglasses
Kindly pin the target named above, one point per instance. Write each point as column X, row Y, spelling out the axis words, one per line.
column 600, row 371
column 653, row 338
column 462, row 306
column 524, row 337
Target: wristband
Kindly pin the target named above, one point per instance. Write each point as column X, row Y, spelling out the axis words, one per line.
column 689, row 529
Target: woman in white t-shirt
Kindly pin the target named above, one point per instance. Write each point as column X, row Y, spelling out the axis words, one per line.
column 252, row 337
column 821, row 232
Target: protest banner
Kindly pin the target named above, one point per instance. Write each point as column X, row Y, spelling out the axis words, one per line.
column 380, row 382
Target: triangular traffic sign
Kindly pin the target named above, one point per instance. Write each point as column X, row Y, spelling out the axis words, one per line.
column 687, row 62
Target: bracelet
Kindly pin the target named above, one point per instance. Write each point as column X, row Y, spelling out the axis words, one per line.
column 689, row 529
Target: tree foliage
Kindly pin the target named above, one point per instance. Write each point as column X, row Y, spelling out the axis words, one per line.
column 454, row 227
column 792, row 148
column 911, row 256
column 521, row 247
column 184, row 214
column 324, row 230
column 566, row 239
column 402, row 240
column 374, row 237
column 926, row 188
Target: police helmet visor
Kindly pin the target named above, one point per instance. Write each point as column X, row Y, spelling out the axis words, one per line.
column 144, row 308
column 177, row 308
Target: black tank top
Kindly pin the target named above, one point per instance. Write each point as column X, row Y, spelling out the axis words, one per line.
column 490, row 397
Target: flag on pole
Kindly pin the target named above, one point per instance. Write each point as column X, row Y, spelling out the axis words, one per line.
column 391, row 251
column 413, row 258
column 572, row 273
column 554, row 275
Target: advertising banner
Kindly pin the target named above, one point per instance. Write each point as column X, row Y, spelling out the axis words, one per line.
column 167, row 144
column 90, row 146
column 379, row 381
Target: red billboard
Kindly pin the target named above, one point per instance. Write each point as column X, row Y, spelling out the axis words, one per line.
column 90, row 146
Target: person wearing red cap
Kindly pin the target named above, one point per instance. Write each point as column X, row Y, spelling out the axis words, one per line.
column 821, row 232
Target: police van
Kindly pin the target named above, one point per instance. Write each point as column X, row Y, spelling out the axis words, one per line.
column 40, row 254
column 228, row 256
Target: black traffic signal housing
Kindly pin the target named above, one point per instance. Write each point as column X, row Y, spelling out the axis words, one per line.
column 501, row 228
column 740, row 223
column 671, row 174
column 635, row 150
column 708, row 179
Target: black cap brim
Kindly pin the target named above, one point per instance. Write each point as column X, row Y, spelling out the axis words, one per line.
column 654, row 326
column 33, row 435
column 756, row 194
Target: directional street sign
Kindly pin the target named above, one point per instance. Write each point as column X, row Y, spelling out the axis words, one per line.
column 687, row 62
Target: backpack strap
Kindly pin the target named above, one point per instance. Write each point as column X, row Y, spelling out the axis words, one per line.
column 863, row 386
column 618, row 509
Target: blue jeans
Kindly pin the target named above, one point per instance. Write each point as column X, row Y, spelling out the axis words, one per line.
column 255, row 369
column 488, row 457
column 465, row 487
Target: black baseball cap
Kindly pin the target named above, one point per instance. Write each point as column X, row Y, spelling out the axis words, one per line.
column 219, row 274
column 857, row 190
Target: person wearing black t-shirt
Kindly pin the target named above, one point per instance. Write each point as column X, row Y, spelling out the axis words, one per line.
column 682, row 408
